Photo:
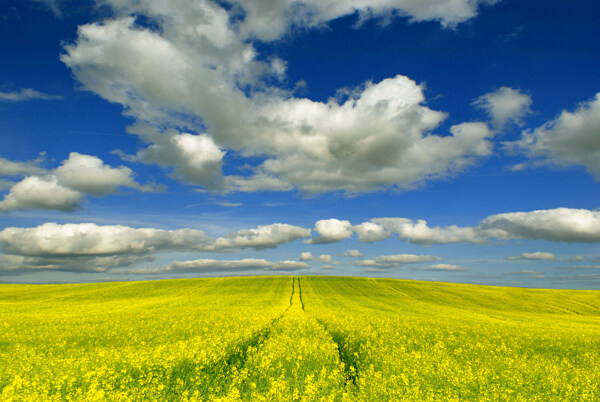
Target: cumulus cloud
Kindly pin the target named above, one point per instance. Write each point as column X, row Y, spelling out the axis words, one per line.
column 440, row 267
column 504, row 105
column 268, row 236
column 10, row 168
column 572, row 138
column 306, row 256
column 538, row 255
column 25, row 94
column 353, row 253
column 89, row 175
column 65, row 188
column 51, row 239
column 196, row 159
column 419, row 232
column 330, row 231
column 41, row 192
column 369, row 232
column 325, row 258
column 203, row 72
column 561, row 224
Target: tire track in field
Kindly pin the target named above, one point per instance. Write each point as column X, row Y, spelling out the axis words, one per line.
column 237, row 355
column 347, row 351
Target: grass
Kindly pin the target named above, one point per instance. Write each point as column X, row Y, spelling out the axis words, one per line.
column 301, row 338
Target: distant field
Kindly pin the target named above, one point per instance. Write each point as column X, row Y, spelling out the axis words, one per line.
column 301, row 338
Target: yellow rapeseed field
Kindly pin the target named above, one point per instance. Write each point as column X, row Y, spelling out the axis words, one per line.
column 297, row 338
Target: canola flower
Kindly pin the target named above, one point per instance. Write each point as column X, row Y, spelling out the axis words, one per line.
column 305, row 339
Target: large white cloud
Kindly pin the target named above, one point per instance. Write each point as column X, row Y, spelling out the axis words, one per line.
column 572, row 138
column 504, row 105
column 201, row 71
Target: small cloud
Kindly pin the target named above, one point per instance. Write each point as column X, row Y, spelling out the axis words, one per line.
column 325, row 258
column 376, row 270
column 26, row 94
column 229, row 204
column 353, row 253
column 504, row 105
column 327, row 267
column 440, row 267
column 539, row 256
column 528, row 274
column 306, row 256
column 576, row 258
column 573, row 267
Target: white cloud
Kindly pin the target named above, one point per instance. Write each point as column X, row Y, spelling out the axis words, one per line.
column 561, row 224
column 41, row 192
column 25, row 94
column 269, row 20
column 398, row 260
column 89, row 175
column 353, row 253
column 51, row 239
column 201, row 71
column 211, row 265
column 576, row 258
column 11, row 168
column 268, row 236
column 419, row 232
column 325, row 258
column 65, row 187
column 330, row 231
column 440, row 267
column 370, row 232
column 538, row 255
column 584, row 267
column 504, row 105
column 196, row 159
column 528, row 274
column 572, row 138
column 306, row 256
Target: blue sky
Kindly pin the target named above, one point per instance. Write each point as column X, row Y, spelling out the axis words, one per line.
column 441, row 140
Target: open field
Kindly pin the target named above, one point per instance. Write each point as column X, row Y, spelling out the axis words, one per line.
column 297, row 338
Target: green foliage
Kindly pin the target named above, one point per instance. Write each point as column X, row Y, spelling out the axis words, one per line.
column 307, row 338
